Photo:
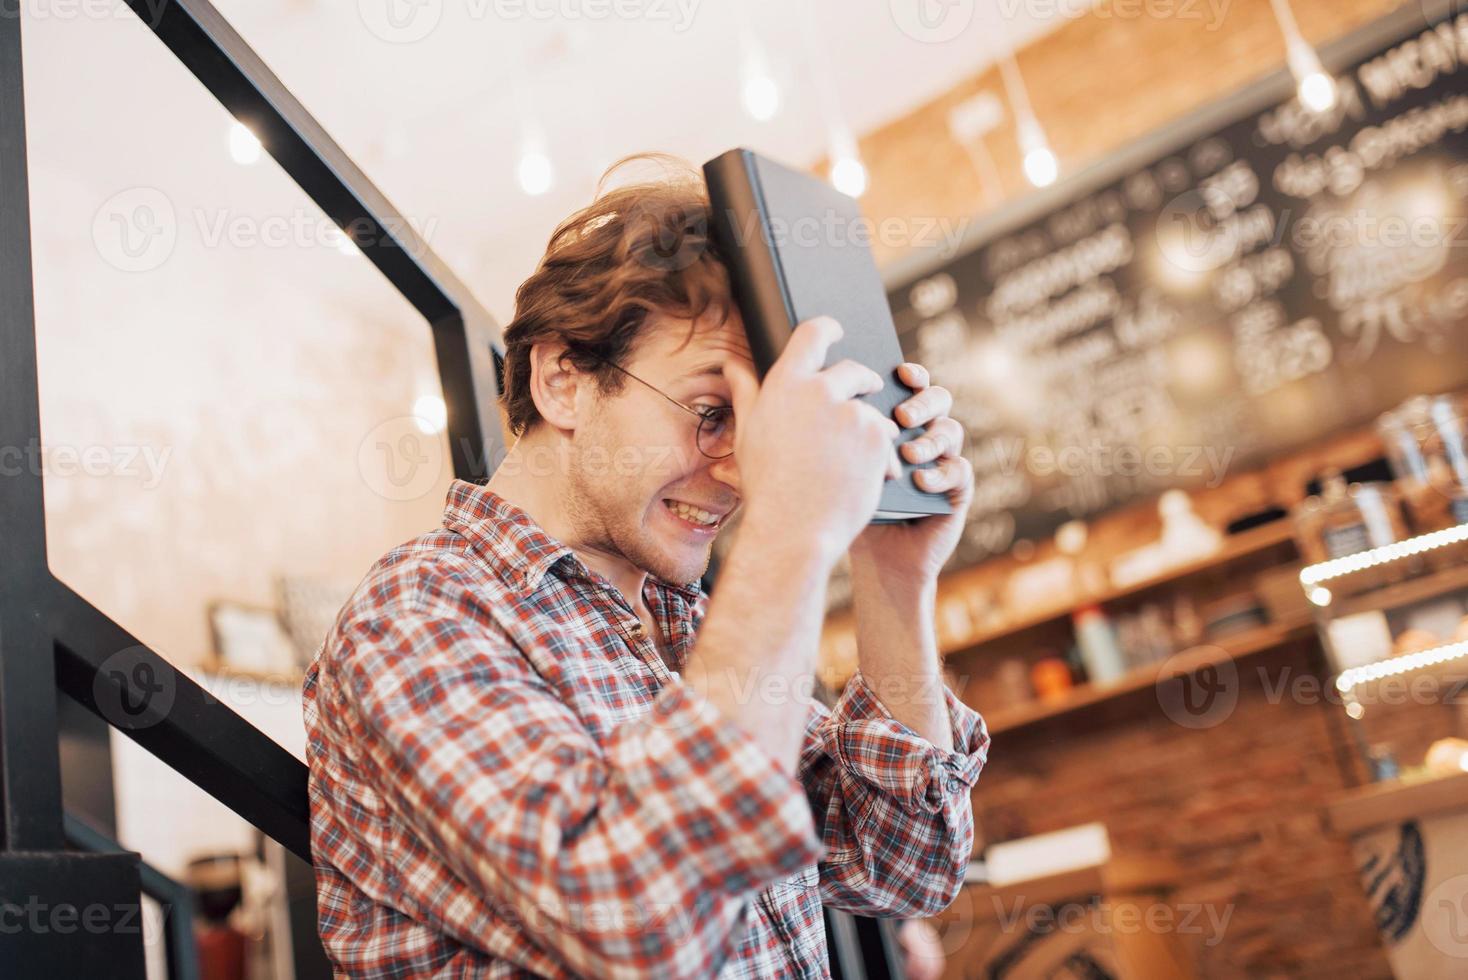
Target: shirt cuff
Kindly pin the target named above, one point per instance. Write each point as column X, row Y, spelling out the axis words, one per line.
column 878, row 749
column 744, row 820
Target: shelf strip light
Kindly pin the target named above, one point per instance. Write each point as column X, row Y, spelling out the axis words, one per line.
column 1362, row 560
column 1405, row 664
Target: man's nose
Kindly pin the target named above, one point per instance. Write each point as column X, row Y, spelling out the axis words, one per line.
column 726, row 471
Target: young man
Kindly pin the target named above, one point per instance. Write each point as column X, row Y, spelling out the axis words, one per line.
column 537, row 748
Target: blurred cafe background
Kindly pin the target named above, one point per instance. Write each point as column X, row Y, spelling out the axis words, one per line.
column 1194, row 271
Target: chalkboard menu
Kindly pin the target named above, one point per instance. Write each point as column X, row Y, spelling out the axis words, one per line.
column 1256, row 279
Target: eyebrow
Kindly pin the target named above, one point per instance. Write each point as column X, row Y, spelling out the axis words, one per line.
column 714, row 370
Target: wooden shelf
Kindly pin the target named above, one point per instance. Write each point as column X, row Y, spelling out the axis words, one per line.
column 1232, row 648
column 839, row 660
column 1419, row 589
column 1238, row 546
column 1397, row 800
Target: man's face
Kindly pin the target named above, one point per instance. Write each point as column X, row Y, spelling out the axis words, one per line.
column 638, row 466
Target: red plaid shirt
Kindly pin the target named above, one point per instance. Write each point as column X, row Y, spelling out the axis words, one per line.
column 506, row 780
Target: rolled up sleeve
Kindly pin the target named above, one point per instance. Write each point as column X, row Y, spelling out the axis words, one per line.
column 893, row 810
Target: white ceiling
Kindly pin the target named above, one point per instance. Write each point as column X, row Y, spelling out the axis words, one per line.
column 436, row 120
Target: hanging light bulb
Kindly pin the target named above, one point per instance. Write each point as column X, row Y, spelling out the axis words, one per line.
column 1040, row 166
column 1314, row 85
column 535, row 172
column 244, row 146
column 761, row 97
column 761, row 94
column 430, row 414
column 848, row 173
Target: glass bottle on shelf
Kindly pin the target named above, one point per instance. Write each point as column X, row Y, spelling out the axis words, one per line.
column 1426, row 439
column 1346, row 519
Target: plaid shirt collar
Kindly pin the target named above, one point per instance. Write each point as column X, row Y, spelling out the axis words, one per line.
column 508, row 538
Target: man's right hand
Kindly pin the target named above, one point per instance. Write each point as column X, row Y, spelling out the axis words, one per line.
column 812, row 457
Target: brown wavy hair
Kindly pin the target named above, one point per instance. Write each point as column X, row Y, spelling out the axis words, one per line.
column 638, row 249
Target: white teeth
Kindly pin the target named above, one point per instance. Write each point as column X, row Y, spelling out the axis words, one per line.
column 691, row 513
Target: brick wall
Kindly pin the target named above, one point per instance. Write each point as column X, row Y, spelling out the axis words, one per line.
column 1240, row 805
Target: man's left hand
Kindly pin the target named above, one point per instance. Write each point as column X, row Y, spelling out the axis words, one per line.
column 916, row 551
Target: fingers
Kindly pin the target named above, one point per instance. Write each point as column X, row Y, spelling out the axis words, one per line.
column 913, row 375
column 743, row 386
column 806, row 350
column 849, row 378
column 930, row 403
column 894, row 465
column 951, row 473
column 944, row 437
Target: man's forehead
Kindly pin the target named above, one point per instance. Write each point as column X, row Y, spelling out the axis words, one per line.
column 698, row 349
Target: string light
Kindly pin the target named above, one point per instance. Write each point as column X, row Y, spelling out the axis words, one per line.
column 1405, row 664
column 1362, row 560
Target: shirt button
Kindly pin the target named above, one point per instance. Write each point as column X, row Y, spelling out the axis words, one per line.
column 954, row 784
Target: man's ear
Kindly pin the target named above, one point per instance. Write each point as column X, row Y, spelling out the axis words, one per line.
column 555, row 383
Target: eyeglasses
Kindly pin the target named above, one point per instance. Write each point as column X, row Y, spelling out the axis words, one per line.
column 715, row 437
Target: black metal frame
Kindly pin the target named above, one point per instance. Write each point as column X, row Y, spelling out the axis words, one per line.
column 52, row 637
column 181, row 955
column 49, row 635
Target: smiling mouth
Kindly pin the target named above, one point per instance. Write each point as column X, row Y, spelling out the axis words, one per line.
column 696, row 516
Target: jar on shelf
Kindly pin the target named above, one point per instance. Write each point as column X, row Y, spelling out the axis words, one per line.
column 1345, row 519
column 1426, row 440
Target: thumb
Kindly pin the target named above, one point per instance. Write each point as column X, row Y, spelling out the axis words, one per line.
column 743, row 387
